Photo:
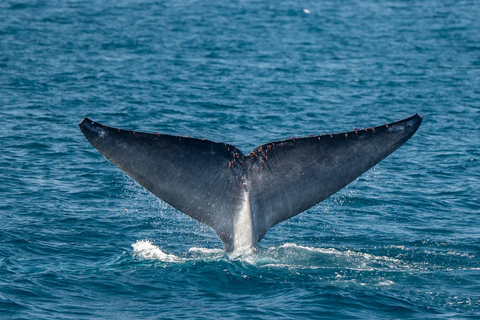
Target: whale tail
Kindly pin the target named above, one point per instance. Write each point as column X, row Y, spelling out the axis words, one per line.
column 214, row 182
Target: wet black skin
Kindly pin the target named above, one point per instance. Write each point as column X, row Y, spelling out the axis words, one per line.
column 208, row 180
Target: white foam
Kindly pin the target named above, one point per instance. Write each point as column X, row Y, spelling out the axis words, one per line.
column 206, row 250
column 386, row 283
column 349, row 259
column 144, row 249
column 296, row 257
column 313, row 249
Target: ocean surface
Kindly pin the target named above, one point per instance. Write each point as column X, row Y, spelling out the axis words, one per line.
column 81, row 240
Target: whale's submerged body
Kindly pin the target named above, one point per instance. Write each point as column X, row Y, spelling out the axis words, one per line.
column 242, row 196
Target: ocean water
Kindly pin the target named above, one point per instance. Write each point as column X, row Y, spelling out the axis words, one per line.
column 80, row 240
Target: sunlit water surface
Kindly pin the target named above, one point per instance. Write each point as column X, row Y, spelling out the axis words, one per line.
column 80, row 240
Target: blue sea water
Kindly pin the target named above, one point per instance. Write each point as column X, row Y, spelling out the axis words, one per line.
column 80, row 240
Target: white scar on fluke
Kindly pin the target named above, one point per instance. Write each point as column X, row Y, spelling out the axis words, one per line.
column 243, row 235
column 242, row 196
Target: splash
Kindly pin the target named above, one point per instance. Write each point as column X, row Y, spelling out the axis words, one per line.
column 144, row 249
column 304, row 257
column 206, row 251
column 289, row 256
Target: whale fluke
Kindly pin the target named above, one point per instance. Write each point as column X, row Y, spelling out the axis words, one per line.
column 242, row 196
